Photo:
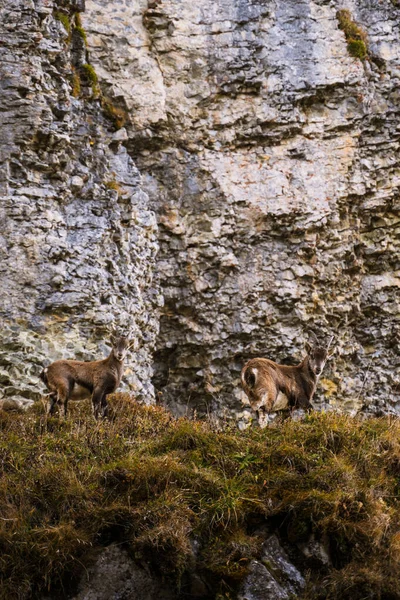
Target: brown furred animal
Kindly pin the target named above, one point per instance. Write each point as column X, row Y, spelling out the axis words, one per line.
column 77, row 380
column 271, row 387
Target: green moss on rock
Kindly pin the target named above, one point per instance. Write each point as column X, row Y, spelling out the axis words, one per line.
column 90, row 76
column 64, row 19
column 76, row 83
column 357, row 48
column 82, row 33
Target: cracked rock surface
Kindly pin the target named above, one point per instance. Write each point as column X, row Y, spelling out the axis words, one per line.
column 269, row 156
column 77, row 250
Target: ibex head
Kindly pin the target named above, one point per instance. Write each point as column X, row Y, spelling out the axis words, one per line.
column 317, row 355
column 121, row 344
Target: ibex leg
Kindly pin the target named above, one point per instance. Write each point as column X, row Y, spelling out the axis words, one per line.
column 104, row 406
column 305, row 404
column 62, row 399
column 263, row 417
column 97, row 402
column 52, row 405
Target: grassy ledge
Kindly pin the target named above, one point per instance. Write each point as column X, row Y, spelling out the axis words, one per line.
column 154, row 484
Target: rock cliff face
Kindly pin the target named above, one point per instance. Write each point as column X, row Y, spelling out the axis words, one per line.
column 270, row 157
column 77, row 248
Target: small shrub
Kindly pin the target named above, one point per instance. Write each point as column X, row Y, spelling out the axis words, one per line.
column 357, row 42
column 164, row 537
column 229, row 555
column 357, row 48
column 90, row 74
column 78, row 20
column 112, row 184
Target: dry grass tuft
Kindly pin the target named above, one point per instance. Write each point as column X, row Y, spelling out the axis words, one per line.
column 118, row 116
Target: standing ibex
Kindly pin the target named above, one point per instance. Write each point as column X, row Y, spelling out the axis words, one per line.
column 77, row 380
column 271, row 387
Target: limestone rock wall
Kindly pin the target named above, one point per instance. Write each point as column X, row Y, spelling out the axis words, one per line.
column 77, row 249
column 270, row 156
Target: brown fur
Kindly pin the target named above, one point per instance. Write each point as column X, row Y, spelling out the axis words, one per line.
column 76, row 380
column 270, row 386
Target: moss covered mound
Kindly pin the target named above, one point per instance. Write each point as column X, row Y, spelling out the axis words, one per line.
column 155, row 484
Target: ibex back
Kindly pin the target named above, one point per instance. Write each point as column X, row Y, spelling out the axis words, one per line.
column 77, row 380
column 271, row 387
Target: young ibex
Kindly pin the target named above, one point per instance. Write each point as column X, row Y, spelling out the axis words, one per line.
column 271, row 387
column 77, row 380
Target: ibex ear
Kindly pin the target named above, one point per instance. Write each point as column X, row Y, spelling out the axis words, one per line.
column 308, row 347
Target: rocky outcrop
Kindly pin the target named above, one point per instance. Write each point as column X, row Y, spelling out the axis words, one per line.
column 115, row 576
column 77, row 248
column 274, row 577
column 268, row 153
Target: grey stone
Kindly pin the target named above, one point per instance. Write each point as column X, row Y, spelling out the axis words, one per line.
column 276, row 560
column 316, row 550
column 115, row 576
column 261, row 585
column 15, row 403
column 120, row 135
column 76, row 183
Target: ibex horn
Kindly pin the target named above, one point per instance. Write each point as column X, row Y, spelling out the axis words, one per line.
column 330, row 342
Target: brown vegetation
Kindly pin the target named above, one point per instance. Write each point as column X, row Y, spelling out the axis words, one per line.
column 153, row 484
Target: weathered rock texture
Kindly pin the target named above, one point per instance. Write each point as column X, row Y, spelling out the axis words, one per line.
column 115, row 576
column 270, row 156
column 274, row 577
column 77, row 249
